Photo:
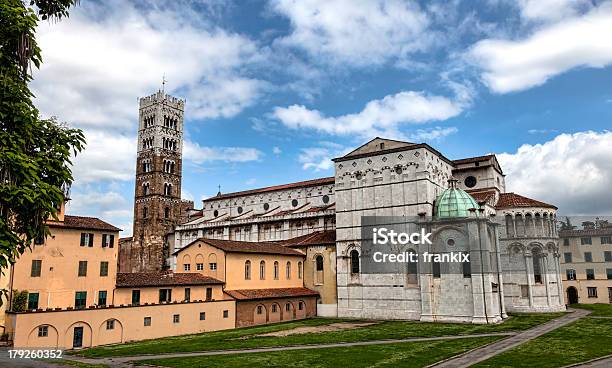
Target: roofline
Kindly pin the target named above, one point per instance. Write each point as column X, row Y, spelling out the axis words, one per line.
column 271, row 188
column 218, row 282
column 393, row 150
column 236, row 251
column 62, row 226
column 478, row 159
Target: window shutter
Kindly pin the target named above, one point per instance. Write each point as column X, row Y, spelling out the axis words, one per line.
column 112, row 241
column 91, row 240
column 82, row 239
column 104, row 240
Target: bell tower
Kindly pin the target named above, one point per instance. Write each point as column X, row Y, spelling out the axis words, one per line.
column 157, row 198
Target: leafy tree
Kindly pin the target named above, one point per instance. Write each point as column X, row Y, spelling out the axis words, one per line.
column 35, row 153
column 20, row 300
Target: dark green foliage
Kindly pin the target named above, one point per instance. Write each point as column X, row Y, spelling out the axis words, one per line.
column 20, row 300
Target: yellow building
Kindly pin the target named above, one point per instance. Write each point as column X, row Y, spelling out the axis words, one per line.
column 587, row 263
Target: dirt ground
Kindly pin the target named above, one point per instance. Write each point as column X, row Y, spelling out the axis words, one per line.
column 314, row 329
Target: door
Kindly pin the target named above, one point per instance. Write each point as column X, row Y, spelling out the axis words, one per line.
column 77, row 340
column 572, row 295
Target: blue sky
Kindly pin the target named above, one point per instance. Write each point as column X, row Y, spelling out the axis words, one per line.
column 276, row 88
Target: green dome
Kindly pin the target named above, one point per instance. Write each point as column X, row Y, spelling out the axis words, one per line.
column 454, row 202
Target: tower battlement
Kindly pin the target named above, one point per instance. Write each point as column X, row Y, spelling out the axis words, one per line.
column 161, row 96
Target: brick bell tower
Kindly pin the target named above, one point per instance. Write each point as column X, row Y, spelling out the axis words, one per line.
column 157, row 201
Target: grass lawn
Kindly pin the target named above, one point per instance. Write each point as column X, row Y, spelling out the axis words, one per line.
column 585, row 339
column 412, row 354
column 72, row 363
column 601, row 310
column 245, row 337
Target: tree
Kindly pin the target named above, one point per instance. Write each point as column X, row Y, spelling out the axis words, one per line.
column 35, row 153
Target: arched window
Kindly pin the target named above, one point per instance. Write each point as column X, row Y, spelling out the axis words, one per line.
column 276, row 270
column 247, row 270
column 262, row 270
column 300, row 270
column 288, row 270
column 319, row 262
column 411, row 268
column 537, row 270
column 145, row 188
column 354, row 261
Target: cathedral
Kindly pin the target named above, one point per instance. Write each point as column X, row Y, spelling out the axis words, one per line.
column 511, row 239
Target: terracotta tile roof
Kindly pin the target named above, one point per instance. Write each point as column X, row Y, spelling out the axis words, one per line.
column 510, row 200
column 143, row 279
column 484, row 196
column 234, row 246
column 81, row 222
column 270, row 293
column 306, row 183
column 316, row 238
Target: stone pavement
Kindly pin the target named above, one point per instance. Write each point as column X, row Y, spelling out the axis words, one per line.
column 486, row 352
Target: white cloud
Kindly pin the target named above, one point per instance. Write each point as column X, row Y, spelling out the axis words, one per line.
column 98, row 61
column 276, row 150
column 434, row 134
column 580, row 41
column 549, row 10
column 355, row 32
column 192, row 151
column 572, row 171
column 108, row 205
column 320, row 158
column 377, row 116
column 106, row 157
column 251, row 181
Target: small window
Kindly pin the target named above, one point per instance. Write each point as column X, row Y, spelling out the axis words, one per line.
column 240, row 210
column 225, row 314
column 135, row 297
column 319, row 263
column 212, row 266
column 288, row 271
column 470, row 181
column 354, row 261
column 566, row 242
column 326, row 199
column 570, row 274
column 167, row 212
column 287, row 307
column 608, row 256
column 32, row 301
column 145, row 211
column 186, row 267
column 259, row 309
column 294, row 203
column 276, row 270
column 398, row 170
column 102, row 297
column 467, row 269
column 202, row 316
column 450, row 242
column 80, row 299
column 82, row 268
column 266, row 206
column 187, row 294
column 585, row 241
column 262, row 270
column 43, row 331
column 147, row 321
column 110, row 324
column 588, row 257
column 108, row 240
column 36, row 268
column 435, row 269
column 176, row 318
column 301, row 305
column 592, row 292
column 524, row 291
column 103, row 268
column 216, row 213
column 590, row 274
column 165, row 295
column 300, row 270
column 609, row 273
column 567, row 257
column 209, row 294
column 606, row 240
column 274, row 308
column 247, row 270
column 199, row 266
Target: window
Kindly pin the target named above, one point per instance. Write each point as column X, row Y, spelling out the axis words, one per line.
column 412, row 268
column 288, row 271
column 301, row 305
column 588, row 257
column 39, row 239
column 225, row 314
column 467, row 269
column 167, row 189
column 202, row 316
column 566, row 241
column 36, row 268
column 187, row 294
column 102, row 297
column 262, row 270
column 567, row 257
column 435, row 269
column 287, row 307
column 199, row 266
column 326, row 199
column 87, row 239
column 274, row 308
column 108, row 240
column 259, row 309
column 167, row 212
column 43, row 331
column 145, row 211
column 300, row 270
column 570, row 274
column 82, row 268
column 592, row 292
column 247, row 270
column 354, row 261
column 208, row 294
column 609, row 273
column 590, row 274
column 176, row 318
column 212, row 266
column 319, row 263
column 110, row 324
column 186, row 267
column 275, row 270
column 524, row 291
column 135, row 297
column 294, row 203
column 606, row 240
column 165, row 295
column 608, row 256
column 537, row 271
column 80, row 299
column 33, row 301
column 585, row 241
column 147, row 321
column 103, row 268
